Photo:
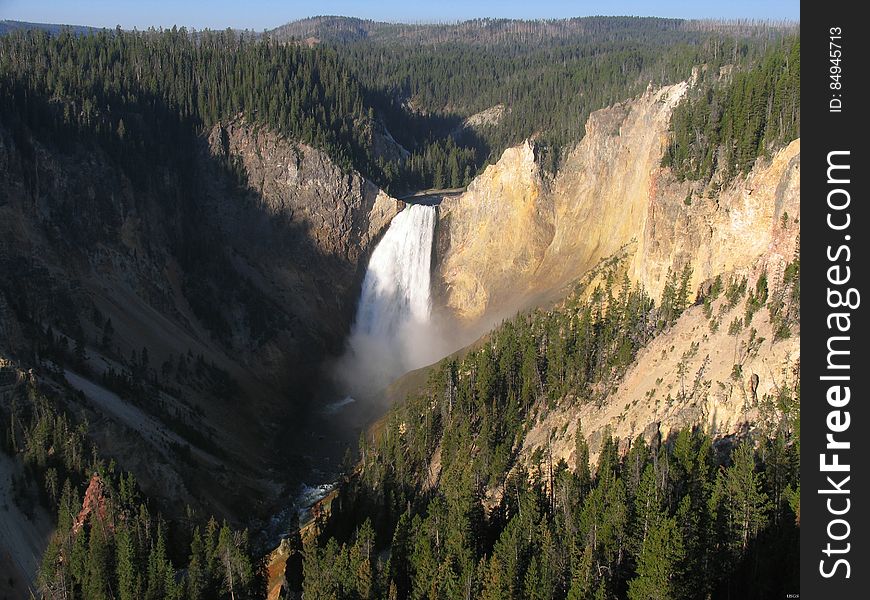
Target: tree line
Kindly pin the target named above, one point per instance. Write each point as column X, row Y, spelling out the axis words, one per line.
column 145, row 94
column 730, row 120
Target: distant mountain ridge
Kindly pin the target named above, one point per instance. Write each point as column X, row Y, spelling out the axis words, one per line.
column 341, row 30
column 7, row 26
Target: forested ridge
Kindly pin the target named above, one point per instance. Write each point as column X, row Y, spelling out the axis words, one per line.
column 129, row 86
column 505, row 32
column 148, row 90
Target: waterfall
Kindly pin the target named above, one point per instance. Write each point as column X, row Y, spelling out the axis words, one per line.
column 396, row 286
column 389, row 335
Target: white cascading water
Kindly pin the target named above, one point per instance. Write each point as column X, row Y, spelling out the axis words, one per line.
column 396, row 286
column 392, row 333
column 389, row 334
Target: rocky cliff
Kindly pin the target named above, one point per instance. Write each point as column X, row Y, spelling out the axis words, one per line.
column 752, row 224
column 494, row 236
column 517, row 236
column 190, row 305
column 342, row 212
column 300, row 226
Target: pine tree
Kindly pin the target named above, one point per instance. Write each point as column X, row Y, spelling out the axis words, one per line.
column 158, row 564
column 197, row 576
column 233, row 558
column 96, row 583
column 78, row 557
column 658, row 563
column 126, row 567
column 362, row 567
column 581, row 454
column 647, row 509
column 747, row 503
column 399, row 569
column 494, row 586
column 582, row 575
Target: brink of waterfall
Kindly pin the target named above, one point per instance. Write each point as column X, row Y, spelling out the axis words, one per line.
column 391, row 334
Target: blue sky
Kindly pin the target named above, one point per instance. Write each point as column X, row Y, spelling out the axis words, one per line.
column 263, row 14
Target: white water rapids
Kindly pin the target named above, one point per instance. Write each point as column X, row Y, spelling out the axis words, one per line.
column 391, row 332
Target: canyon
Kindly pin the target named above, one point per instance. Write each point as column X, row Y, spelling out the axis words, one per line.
column 292, row 233
column 297, row 232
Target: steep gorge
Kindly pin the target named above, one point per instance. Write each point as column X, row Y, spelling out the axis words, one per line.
column 178, row 289
column 204, row 295
column 290, row 232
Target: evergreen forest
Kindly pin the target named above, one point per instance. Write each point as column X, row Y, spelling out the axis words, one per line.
column 145, row 92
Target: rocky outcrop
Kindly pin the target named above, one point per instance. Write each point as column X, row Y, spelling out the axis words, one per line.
column 602, row 192
column 341, row 212
column 494, row 235
column 94, row 506
column 553, row 229
column 481, row 121
column 381, row 142
column 756, row 216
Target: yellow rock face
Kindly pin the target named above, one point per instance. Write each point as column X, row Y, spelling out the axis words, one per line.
column 602, row 193
column 756, row 217
column 517, row 237
column 497, row 232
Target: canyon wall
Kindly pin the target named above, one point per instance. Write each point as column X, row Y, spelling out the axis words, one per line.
column 518, row 236
column 341, row 211
column 224, row 280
